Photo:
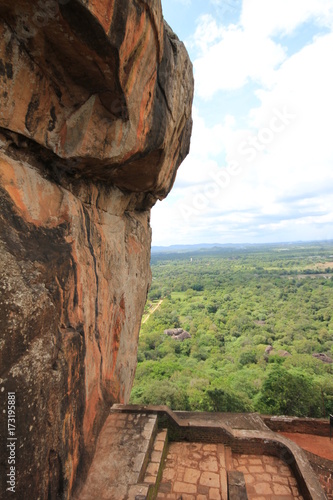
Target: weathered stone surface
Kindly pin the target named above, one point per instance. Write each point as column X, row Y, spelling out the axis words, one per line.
column 323, row 357
column 104, row 85
column 271, row 351
column 177, row 334
column 236, row 486
column 121, row 458
column 95, row 118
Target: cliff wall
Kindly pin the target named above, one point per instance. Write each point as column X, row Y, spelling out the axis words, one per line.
column 95, row 118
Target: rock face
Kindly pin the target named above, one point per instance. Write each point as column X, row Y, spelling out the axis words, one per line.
column 95, row 118
column 323, row 357
column 177, row 334
column 271, row 351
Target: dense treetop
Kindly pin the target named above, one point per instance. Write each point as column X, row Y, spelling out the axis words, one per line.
column 235, row 302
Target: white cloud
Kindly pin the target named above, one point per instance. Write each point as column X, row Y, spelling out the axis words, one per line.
column 284, row 191
column 232, row 61
column 268, row 18
column 233, row 55
column 206, row 33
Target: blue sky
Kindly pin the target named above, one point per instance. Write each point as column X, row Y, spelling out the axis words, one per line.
column 260, row 167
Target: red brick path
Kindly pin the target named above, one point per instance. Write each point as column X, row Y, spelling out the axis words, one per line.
column 267, row 478
column 196, row 471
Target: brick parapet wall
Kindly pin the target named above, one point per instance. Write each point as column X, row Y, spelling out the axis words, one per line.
column 324, row 470
column 252, row 442
column 313, row 426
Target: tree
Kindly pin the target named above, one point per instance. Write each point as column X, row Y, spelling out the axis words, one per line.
column 161, row 392
column 289, row 393
column 225, row 400
column 248, row 357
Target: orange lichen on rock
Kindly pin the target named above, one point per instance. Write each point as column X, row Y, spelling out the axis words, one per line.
column 95, row 119
column 35, row 199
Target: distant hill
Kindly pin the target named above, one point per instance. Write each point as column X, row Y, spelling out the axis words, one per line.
column 176, row 249
column 194, row 248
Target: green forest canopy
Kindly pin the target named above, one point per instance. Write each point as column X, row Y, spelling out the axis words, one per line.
column 235, row 302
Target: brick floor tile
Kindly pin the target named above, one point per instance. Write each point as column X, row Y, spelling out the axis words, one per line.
column 270, row 460
column 169, row 464
column 281, row 489
column 293, row 481
column 285, row 471
column 180, row 471
column 223, row 484
column 243, row 469
column 161, row 435
column 263, row 488
column 169, row 474
column 176, row 448
column 210, row 447
column 243, row 461
column 280, row 479
column 210, row 479
column 256, row 468
column 156, row 456
column 186, row 462
column 295, row 491
column 255, row 461
column 191, row 476
column 158, row 446
column 271, row 468
column 152, row 468
column 203, row 490
column 209, row 463
column 249, row 479
column 202, row 497
column 188, row 497
column 265, row 477
column 180, row 487
column 195, row 446
column 165, row 487
column 214, row 494
column 149, row 479
column 250, row 490
column 221, row 458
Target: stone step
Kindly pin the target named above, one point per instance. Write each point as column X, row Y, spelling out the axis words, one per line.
column 121, row 458
column 154, row 469
column 236, row 486
column 223, row 463
column 235, row 480
column 228, row 458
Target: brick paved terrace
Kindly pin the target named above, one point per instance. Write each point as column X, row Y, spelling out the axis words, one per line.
column 152, row 452
column 267, row 477
column 197, row 471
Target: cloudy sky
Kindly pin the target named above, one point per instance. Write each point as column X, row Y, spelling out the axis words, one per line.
column 261, row 162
